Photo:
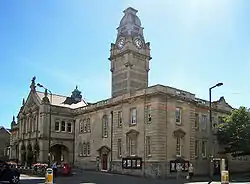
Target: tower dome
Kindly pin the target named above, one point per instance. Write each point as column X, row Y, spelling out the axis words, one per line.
column 130, row 24
column 130, row 17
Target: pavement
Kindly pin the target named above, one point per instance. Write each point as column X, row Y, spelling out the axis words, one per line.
column 92, row 177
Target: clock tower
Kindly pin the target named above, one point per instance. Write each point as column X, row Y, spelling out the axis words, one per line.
column 129, row 56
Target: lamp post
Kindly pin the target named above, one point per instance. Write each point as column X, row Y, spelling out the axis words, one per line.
column 49, row 150
column 210, row 127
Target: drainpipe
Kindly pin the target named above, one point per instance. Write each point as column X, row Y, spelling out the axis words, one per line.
column 74, row 133
column 111, row 140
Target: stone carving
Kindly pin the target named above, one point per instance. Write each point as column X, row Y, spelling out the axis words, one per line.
column 33, row 84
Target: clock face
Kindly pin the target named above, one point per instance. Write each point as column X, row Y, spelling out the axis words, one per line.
column 138, row 43
column 121, row 43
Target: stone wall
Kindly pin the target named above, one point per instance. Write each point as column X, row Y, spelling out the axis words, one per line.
column 155, row 170
column 87, row 165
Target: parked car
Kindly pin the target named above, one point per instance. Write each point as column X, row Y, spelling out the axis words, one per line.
column 64, row 169
column 8, row 174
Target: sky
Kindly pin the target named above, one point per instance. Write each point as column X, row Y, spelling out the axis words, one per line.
column 194, row 45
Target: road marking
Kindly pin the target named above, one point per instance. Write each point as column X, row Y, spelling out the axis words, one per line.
column 27, row 177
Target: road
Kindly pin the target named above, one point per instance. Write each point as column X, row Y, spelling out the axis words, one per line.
column 88, row 177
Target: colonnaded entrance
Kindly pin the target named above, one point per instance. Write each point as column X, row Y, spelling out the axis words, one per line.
column 59, row 153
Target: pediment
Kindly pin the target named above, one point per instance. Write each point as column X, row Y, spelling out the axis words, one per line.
column 179, row 133
column 222, row 104
column 104, row 149
column 31, row 103
column 132, row 132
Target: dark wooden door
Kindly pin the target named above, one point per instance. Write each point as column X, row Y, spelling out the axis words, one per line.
column 105, row 162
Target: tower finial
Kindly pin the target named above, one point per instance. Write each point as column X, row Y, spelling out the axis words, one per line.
column 33, row 84
column 23, row 102
column 45, row 98
column 13, row 121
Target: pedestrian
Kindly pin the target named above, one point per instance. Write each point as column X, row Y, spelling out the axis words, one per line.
column 191, row 171
column 54, row 168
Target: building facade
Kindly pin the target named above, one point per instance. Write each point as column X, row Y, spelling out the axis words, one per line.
column 4, row 143
column 140, row 130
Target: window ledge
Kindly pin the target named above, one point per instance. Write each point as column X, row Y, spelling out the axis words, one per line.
column 132, row 125
column 178, row 123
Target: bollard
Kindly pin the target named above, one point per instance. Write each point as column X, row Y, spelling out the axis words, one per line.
column 223, row 165
column 224, row 177
column 49, row 176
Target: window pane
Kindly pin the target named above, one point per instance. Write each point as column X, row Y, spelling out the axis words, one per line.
column 88, row 148
column 88, row 125
column 81, row 126
column 119, row 118
column 178, row 115
column 196, row 120
column 203, row 148
column 149, row 109
column 203, row 122
column 178, row 146
column 63, row 126
column 105, row 125
column 84, row 125
column 196, row 148
column 69, row 128
column 119, row 145
column 133, row 116
column 57, row 126
column 132, row 146
column 84, row 149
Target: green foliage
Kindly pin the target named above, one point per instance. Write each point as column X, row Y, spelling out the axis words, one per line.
column 234, row 132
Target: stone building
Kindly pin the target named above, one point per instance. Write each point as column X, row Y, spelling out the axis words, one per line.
column 4, row 143
column 140, row 130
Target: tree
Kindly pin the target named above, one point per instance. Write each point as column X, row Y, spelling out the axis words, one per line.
column 234, row 132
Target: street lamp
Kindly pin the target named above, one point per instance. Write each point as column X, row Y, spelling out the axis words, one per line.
column 49, row 150
column 210, row 121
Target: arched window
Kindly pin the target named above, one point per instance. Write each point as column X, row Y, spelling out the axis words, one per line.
column 132, row 142
column 88, row 125
column 105, row 126
column 84, row 149
column 84, row 125
column 80, row 149
column 88, row 148
column 81, row 126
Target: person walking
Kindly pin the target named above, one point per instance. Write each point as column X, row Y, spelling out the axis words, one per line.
column 54, row 168
column 191, row 171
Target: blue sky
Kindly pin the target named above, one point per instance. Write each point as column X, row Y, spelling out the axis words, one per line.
column 194, row 45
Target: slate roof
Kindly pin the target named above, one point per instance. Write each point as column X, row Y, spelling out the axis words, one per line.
column 2, row 127
column 57, row 100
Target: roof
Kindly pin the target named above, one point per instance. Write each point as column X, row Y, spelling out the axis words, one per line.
column 2, row 127
column 57, row 100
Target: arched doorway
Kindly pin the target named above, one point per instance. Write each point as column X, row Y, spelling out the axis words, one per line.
column 23, row 154
column 104, row 158
column 59, row 153
column 29, row 155
column 36, row 152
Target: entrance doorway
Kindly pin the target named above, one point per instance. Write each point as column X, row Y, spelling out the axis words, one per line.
column 59, row 153
column 105, row 162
